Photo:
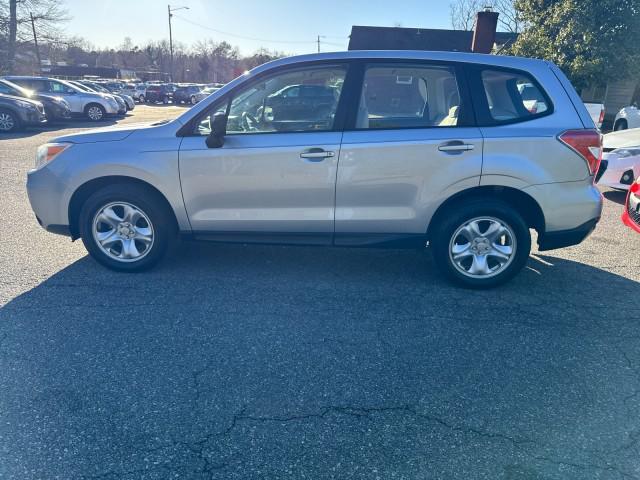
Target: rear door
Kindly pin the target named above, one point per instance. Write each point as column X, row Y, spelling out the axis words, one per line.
column 410, row 145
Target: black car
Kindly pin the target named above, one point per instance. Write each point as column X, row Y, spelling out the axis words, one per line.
column 56, row 108
column 186, row 94
column 300, row 105
column 19, row 112
column 159, row 93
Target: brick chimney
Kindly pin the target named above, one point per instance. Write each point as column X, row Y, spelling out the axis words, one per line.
column 484, row 32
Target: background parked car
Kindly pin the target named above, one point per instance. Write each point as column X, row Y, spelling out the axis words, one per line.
column 130, row 104
column 205, row 92
column 137, row 92
column 159, row 94
column 19, row 112
column 122, row 106
column 627, row 117
column 91, row 105
column 620, row 164
column 56, row 108
column 187, row 94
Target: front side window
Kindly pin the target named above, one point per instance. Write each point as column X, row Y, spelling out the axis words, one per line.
column 407, row 96
column 512, row 96
column 275, row 104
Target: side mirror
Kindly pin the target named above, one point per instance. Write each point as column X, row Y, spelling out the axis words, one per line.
column 218, row 131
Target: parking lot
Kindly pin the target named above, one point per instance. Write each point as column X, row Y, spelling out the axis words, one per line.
column 238, row 362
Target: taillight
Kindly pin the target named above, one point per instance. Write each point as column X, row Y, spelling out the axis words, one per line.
column 587, row 144
column 635, row 188
column 601, row 118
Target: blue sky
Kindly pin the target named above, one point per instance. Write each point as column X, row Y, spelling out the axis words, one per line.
column 107, row 22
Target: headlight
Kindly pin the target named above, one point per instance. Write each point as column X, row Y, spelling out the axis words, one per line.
column 626, row 152
column 27, row 105
column 48, row 152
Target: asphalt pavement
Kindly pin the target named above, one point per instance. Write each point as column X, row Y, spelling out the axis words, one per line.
column 266, row 362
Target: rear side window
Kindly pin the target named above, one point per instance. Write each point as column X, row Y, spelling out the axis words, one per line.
column 513, row 96
column 409, row 96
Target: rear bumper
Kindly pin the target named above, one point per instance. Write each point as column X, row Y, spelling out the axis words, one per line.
column 566, row 238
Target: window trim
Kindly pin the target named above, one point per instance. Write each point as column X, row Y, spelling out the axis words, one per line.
column 467, row 118
column 188, row 130
column 481, row 103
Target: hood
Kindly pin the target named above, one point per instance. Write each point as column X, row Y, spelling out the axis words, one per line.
column 108, row 134
column 21, row 99
column 621, row 139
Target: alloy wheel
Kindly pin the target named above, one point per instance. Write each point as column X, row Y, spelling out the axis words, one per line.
column 7, row 123
column 123, row 232
column 94, row 112
column 482, row 247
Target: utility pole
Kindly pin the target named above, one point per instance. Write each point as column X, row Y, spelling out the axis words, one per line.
column 169, row 10
column 170, row 43
column 35, row 41
column 319, row 37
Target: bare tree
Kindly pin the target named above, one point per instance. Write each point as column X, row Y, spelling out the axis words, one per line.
column 47, row 16
column 463, row 14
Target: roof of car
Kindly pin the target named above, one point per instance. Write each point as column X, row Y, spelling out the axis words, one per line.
column 484, row 59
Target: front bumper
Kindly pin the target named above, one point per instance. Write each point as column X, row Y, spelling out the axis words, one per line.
column 46, row 193
column 631, row 214
column 34, row 118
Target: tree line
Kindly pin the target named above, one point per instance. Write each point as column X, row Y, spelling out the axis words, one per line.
column 32, row 30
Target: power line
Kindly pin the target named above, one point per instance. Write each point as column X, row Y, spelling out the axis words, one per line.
column 255, row 39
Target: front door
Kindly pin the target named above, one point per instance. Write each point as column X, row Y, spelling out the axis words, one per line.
column 274, row 177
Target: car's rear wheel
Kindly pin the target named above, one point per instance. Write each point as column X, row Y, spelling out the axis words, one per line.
column 126, row 228
column 165, row 100
column 193, row 100
column 620, row 125
column 480, row 243
column 95, row 112
column 8, row 121
column 141, row 99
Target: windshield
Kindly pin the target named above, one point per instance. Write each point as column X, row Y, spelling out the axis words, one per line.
column 13, row 89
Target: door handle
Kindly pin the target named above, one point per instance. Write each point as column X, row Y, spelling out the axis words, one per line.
column 456, row 147
column 316, row 154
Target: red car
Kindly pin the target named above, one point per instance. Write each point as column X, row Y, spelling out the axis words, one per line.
column 631, row 215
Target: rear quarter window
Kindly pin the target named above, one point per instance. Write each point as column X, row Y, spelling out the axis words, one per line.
column 512, row 96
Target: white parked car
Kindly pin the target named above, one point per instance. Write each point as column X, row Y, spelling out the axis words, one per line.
column 621, row 159
column 137, row 92
column 627, row 117
column 91, row 105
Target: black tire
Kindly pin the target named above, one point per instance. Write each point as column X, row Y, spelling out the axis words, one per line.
column 146, row 200
column 165, row 100
column 10, row 121
column 141, row 99
column 91, row 112
column 455, row 217
column 193, row 100
column 620, row 125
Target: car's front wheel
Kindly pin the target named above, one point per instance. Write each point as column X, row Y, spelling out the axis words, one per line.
column 141, row 99
column 193, row 100
column 95, row 112
column 126, row 228
column 481, row 243
column 8, row 121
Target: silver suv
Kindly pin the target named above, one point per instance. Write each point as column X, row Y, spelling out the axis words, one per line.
column 347, row 149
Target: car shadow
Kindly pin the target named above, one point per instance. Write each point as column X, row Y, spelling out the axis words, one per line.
column 276, row 347
column 617, row 196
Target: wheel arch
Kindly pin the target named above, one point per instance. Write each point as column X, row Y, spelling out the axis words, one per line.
column 524, row 203
column 84, row 191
